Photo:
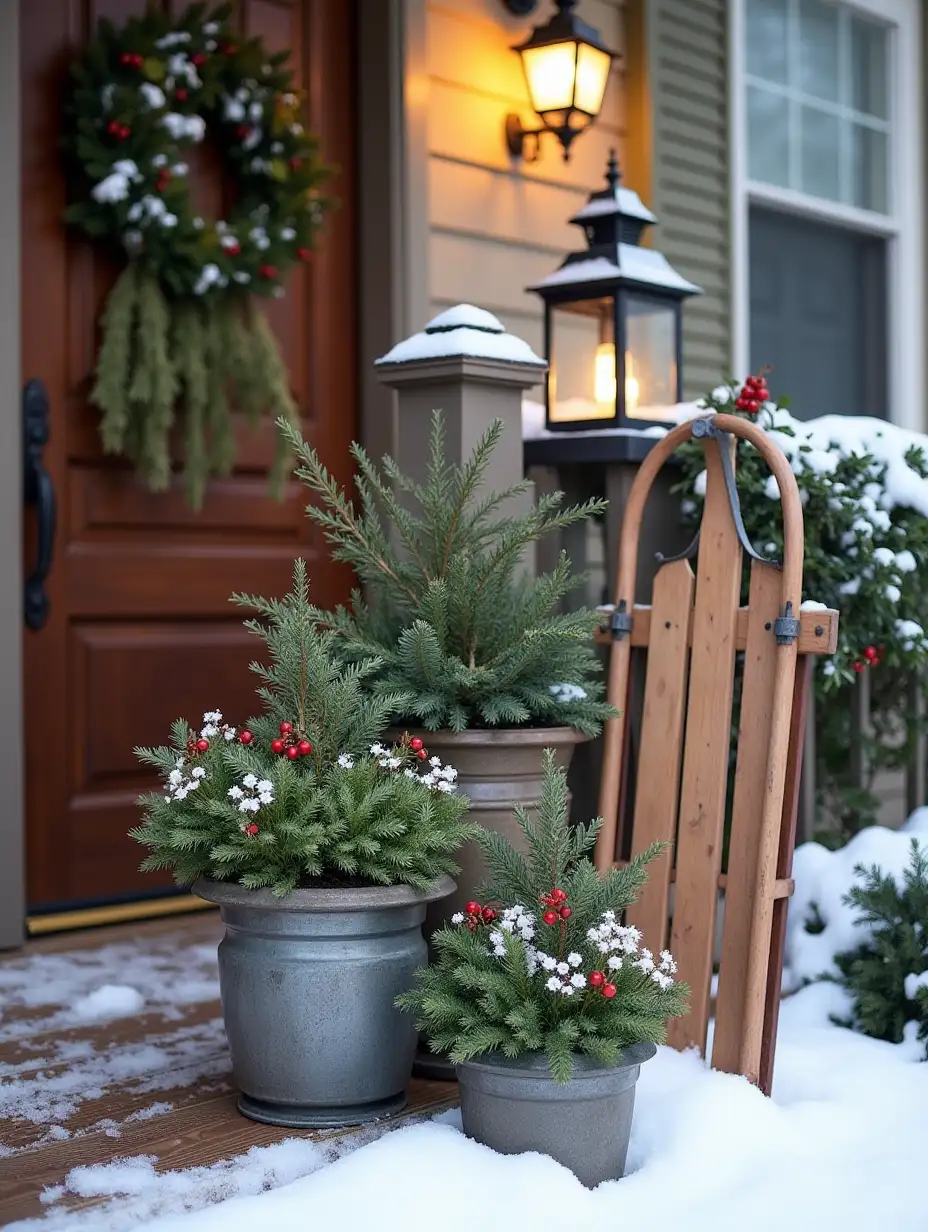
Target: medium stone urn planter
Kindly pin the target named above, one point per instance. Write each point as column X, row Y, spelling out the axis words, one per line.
column 308, row 984
column 497, row 769
column 514, row 1105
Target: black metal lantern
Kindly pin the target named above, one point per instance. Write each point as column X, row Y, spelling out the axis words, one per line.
column 566, row 66
column 613, row 320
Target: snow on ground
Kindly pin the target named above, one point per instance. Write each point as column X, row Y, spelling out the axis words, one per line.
column 838, row 1149
column 49, row 1001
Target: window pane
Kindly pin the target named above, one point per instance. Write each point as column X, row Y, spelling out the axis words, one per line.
column 869, row 56
column 818, row 49
column 768, row 137
column 869, row 169
column 820, row 154
column 766, row 48
column 818, row 314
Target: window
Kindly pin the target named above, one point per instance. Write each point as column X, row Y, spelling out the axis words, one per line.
column 827, row 262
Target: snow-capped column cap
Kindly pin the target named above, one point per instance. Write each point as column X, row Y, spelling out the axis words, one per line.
column 467, row 342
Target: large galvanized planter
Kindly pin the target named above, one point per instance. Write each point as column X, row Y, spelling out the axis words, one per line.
column 514, row 1105
column 497, row 769
column 308, row 984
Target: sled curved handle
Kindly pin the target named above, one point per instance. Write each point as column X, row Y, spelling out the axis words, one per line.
column 38, row 490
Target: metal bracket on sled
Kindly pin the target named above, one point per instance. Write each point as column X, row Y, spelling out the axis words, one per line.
column 620, row 623
column 786, row 627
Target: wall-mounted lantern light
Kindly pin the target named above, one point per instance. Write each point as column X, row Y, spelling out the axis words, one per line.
column 613, row 320
column 566, row 65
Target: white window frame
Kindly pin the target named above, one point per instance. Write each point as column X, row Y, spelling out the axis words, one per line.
column 903, row 227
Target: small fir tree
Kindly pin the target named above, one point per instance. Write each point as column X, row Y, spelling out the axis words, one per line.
column 304, row 794
column 544, row 963
column 887, row 975
column 448, row 610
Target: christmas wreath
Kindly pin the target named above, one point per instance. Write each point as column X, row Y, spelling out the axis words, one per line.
column 181, row 326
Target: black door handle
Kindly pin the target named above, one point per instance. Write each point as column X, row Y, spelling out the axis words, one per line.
column 38, row 490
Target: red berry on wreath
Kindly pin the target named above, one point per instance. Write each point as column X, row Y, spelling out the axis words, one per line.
column 232, row 248
column 180, row 94
column 295, row 163
column 859, row 667
column 871, row 654
column 550, row 917
column 415, row 744
column 199, row 59
column 202, row 745
column 252, row 829
column 304, row 254
column 124, row 132
column 286, row 728
column 277, row 746
column 229, row 49
column 293, row 752
column 488, row 914
column 609, row 990
column 565, row 913
column 128, row 57
column 114, row 128
column 473, row 907
column 267, row 271
column 304, row 748
column 559, row 896
column 245, row 736
column 597, row 979
column 242, row 131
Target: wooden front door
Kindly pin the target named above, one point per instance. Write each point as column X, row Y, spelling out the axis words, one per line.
column 140, row 630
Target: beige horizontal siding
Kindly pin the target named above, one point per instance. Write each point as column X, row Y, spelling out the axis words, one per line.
column 688, row 70
column 496, row 224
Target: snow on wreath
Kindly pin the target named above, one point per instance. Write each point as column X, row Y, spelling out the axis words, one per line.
column 181, row 325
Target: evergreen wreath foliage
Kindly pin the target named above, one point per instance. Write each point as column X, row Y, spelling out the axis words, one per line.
column 544, row 964
column 887, row 975
column 180, row 325
column 866, row 554
column 448, row 608
column 304, row 794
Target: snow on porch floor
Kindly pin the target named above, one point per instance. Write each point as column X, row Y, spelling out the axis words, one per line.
column 112, row 1047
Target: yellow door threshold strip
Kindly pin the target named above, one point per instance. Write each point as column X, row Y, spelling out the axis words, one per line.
column 118, row 913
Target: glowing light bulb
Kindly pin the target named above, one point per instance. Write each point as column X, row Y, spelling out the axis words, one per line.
column 604, row 375
column 631, row 386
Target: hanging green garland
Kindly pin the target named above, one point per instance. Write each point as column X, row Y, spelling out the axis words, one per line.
column 181, row 327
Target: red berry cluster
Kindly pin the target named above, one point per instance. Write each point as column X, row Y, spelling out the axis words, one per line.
column 871, row 658
column 131, row 58
column 754, row 393
column 290, row 744
column 199, row 59
column 556, row 902
column 245, row 736
column 417, row 747
column 196, row 745
column 164, row 178
column 252, row 829
column 474, row 914
column 598, row 980
column 117, row 130
column 268, row 271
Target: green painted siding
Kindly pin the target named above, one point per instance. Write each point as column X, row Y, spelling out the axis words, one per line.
column 688, row 72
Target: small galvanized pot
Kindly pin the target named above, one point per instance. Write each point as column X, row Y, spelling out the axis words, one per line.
column 514, row 1105
column 308, row 984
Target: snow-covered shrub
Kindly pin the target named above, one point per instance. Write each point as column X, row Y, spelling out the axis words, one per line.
column 864, row 487
column 887, row 974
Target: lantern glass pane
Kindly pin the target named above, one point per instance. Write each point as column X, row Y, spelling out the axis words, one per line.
column 581, row 379
column 592, row 75
column 650, row 357
column 550, row 73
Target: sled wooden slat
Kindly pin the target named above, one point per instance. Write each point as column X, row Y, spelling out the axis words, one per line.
column 655, row 817
column 818, row 630
column 692, row 634
column 705, row 756
column 749, row 786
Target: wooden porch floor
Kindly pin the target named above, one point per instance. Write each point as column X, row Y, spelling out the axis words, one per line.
column 158, row 1082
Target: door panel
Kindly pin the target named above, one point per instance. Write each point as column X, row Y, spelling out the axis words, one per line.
column 140, row 628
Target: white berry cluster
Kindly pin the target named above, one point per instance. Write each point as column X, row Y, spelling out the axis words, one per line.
column 436, row 778
column 564, row 979
column 253, row 793
column 621, row 942
column 214, row 726
column 179, row 784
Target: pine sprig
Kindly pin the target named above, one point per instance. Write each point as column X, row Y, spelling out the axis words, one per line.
column 345, row 811
column 500, row 978
column 448, row 609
